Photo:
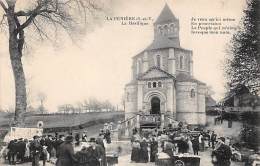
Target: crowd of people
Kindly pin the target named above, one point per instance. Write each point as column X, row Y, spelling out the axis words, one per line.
column 92, row 152
column 173, row 142
column 43, row 148
column 24, row 150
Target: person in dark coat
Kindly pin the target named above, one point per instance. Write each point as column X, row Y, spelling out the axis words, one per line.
column 58, row 142
column 82, row 157
column 21, row 148
column 94, row 151
column 102, row 150
column 36, row 150
column 107, row 136
column 12, row 152
column 154, row 149
column 183, row 146
column 99, row 140
column 221, row 155
column 65, row 154
column 213, row 139
column 135, row 155
column 101, row 154
column 144, row 158
column 195, row 145
column 44, row 152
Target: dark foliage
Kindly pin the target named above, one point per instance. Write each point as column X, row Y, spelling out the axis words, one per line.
column 242, row 65
column 249, row 135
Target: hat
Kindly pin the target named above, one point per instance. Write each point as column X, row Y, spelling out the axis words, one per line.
column 35, row 137
column 92, row 140
column 84, row 148
column 137, row 140
column 69, row 138
column 222, row 139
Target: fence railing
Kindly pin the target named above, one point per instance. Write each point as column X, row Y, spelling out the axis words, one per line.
column 241, row 109
column 144, row 119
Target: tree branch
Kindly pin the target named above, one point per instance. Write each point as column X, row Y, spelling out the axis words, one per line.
column 23, row 13
column 3, row 6
column 40, row 32
column 32, row 14
column 2, row 20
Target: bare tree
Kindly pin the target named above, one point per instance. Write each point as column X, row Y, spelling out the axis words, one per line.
column 45, row 17
column 79, row 107
column 41, row 97
column 107, row 105
column 66, row 108
column 94, row 104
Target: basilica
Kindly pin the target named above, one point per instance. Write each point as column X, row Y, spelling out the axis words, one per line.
column 162, row 88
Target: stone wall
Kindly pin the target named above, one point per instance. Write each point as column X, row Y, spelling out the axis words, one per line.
column 186, row 104
column 201, row 104
column 164, row 58
column 187, row 55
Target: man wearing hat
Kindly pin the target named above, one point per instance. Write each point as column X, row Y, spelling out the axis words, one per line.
column 36, row 150
column 65, row 154
column 221, row 154
column 95, row 154
column 21, row 147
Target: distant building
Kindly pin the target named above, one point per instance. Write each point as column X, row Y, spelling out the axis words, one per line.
column 162, row 81
column 240, row 99
column 210, row 102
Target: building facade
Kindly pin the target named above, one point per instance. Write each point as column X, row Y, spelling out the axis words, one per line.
column 162, row 82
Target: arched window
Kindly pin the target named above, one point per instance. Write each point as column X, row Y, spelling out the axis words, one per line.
column 154, row 84
column 160, row 29
column 181, row 62
column 165, row 29
column 149, row 84
column 159, row 84
column 192, row 93
column 172, row 27
column 158, row 61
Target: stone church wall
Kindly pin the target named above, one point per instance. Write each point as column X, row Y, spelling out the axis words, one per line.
column 162, row 90
column 164, row 58
column 186, row 60
column 185, row 103
column 201, row 104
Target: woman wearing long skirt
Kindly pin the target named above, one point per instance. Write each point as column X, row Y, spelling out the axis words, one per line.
column 154, row 149
column 144, row 158
column 135, row 151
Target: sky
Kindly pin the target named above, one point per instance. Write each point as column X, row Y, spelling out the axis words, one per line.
column 100, row 64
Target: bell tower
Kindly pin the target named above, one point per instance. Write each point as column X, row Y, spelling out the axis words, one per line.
column 167, row 25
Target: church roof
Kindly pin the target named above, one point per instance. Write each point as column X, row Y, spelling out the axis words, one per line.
column 155, row 73
column 182, row 77
column 163, row 42
column 165, row 16
column 210, row 101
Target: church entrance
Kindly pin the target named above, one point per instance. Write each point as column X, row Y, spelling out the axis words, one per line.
column 155, row 105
